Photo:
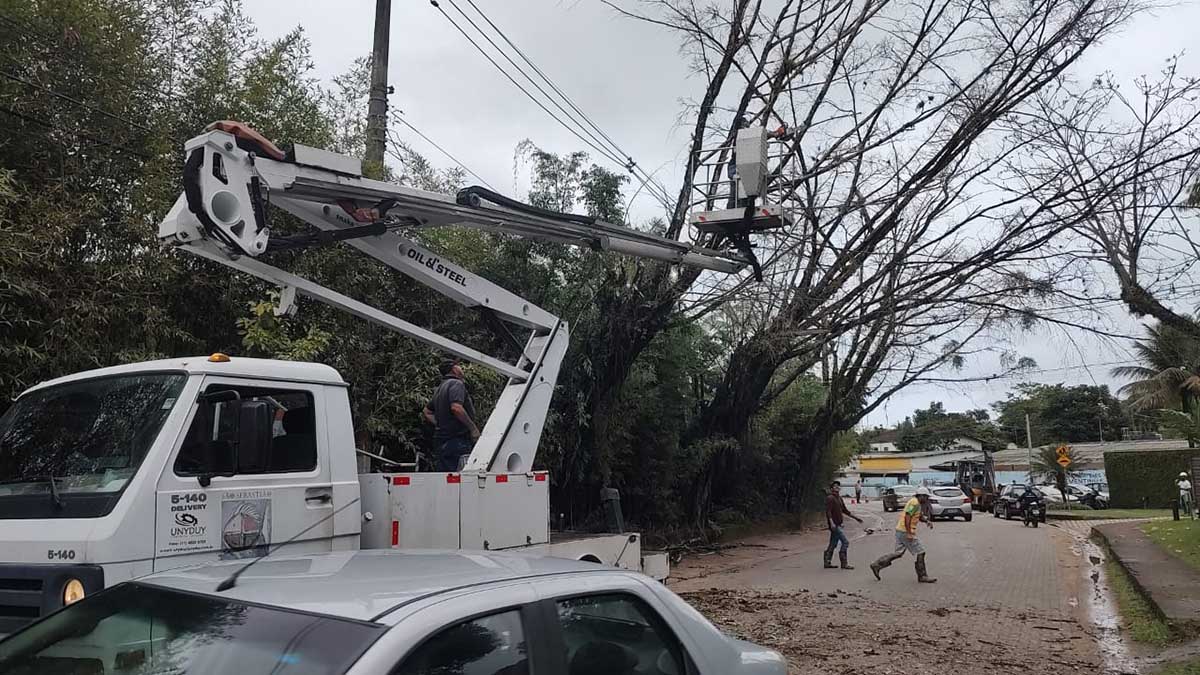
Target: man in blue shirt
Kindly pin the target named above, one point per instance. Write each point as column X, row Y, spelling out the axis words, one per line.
column 452, row 414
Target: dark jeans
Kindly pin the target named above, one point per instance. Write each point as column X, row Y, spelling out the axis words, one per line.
column 449, row 452
column 837, row 535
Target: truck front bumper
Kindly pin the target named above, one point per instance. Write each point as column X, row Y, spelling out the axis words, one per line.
column 28, row 592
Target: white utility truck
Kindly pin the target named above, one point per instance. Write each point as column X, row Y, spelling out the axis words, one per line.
column 114, row 473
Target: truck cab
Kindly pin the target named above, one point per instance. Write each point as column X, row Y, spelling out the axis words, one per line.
column 115, row 473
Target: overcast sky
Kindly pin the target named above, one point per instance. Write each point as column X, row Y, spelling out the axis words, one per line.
column 630, row 79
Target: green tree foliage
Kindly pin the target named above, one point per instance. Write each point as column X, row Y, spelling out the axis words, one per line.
column 1061, row 414
column 98, row 99
column 1141, row 479
column 1166, row 384
column 935, row 429
column 1046, row 466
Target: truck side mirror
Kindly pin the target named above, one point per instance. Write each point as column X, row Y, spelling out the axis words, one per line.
column 254, row 435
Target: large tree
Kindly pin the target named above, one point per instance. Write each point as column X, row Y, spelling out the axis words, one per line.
column 911, row 242
column 935, row 429
column 1061, row 414
column 1166, row 382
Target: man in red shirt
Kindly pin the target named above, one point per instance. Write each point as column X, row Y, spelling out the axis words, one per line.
column 835, row 508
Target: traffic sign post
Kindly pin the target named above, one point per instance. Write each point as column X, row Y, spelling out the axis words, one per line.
column 1064, row 460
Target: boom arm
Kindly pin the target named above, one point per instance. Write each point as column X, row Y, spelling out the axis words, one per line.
column 233, row 178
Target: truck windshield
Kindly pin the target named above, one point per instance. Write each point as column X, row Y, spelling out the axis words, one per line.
column 142, row 629
column 69, row 450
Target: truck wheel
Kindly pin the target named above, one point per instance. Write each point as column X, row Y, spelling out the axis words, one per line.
column 967, row 517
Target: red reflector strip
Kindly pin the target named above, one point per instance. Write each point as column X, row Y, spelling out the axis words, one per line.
column 539, row 477
column 502, row 478
column 401, row 480
column 395, row 533
column 453, row 478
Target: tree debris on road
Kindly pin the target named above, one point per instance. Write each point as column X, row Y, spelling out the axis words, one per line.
column 848, row 634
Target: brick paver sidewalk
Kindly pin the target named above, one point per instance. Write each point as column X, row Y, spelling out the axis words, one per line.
column 1171, row 584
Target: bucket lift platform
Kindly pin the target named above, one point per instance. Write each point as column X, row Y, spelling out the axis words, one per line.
column 745, row 191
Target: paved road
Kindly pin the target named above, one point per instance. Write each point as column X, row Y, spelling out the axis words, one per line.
column 1007, row 599
column 987, row 562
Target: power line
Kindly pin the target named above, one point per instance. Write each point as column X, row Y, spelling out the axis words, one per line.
column 631, row 166
column 608, row 154
column 75, row 101
column 430, row 141
column 518, row 85
column 48, row 125
column 556, row 104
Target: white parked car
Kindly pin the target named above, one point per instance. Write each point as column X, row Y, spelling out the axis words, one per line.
column 950, row 502
column 1053, row 496
column 397, row 612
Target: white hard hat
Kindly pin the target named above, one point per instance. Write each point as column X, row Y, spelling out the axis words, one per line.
column 1183, row 474
column 923, row 491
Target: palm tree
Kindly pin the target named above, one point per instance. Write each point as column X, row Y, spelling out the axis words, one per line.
column 1168, row 377
column 1046, row 466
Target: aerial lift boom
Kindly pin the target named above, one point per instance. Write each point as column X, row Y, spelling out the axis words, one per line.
column 235, row 178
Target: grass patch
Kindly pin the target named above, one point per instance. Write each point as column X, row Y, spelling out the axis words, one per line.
column 1107, row 514
column 1137, row 616
column 1179, row 538
column 1185, row 668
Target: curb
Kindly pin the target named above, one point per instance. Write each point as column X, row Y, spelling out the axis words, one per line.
column 1178, row 626
column 1099, row 537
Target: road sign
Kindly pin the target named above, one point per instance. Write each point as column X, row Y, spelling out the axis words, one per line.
column 1064, row 461
column 1062, row 452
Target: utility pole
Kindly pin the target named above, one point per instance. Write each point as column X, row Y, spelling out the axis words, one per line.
column 1029, row 447
column 377, row 106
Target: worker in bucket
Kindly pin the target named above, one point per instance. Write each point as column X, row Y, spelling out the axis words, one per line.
column 835, row 508
column 452, row 414
column 906, row 537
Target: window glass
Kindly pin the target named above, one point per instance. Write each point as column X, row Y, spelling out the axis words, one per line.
column 955, row 492
column 491, row 645
column 212, row 434
column 65, row 449
column 617, row 635
column 144, row 630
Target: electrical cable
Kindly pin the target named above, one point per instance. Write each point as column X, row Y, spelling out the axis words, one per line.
column 510, row 78
column 452, row 158
column 608, row 154
column 631, row 165
column 75, row 101
column 48, row 125
column 529, row 79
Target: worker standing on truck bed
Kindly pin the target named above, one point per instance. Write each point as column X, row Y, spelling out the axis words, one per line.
column 452, row 414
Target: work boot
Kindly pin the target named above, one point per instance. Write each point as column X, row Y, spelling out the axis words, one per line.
column 829, row 560
column 884, row 561
column 922, row 573
column 843, row 558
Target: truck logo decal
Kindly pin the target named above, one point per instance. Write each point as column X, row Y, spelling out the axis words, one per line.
column 185, row 520
column 245, row 528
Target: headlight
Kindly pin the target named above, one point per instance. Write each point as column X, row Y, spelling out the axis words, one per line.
column 72, row 592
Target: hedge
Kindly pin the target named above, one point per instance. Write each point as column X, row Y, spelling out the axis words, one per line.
column 1138, row 479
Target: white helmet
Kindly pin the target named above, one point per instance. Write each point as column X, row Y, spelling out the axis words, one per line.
column 922, row 491
column 1183, row 474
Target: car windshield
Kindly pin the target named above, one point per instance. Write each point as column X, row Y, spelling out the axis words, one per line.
column 948, row 492
column 84, row 437
column 141, row 629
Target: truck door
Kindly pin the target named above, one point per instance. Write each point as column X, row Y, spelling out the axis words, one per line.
column 247, row 509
